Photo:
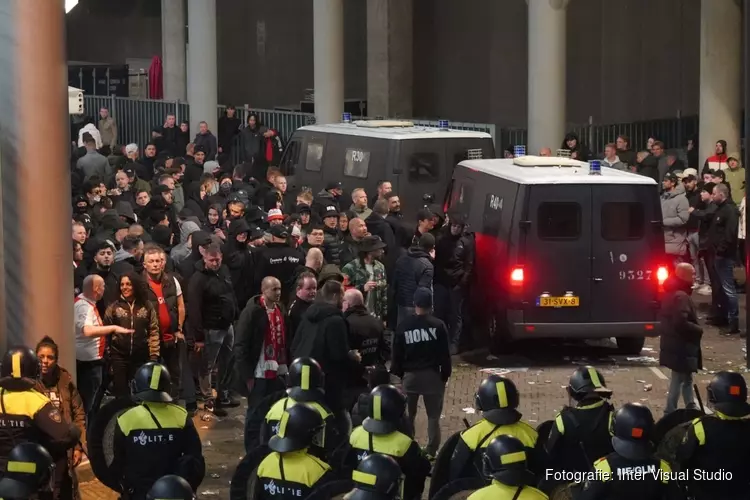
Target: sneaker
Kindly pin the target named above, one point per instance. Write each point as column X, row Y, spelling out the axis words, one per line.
column 227, row 400
column 216, row 409
column 697, row 285
column 704, row 290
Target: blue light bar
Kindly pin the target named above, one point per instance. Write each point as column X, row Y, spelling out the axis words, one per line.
column 346, row 118
column 595, row 167
column 443, row 125
column 519, row 150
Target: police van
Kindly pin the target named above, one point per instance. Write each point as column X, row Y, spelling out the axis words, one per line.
column 564, row 249
column 416, row 160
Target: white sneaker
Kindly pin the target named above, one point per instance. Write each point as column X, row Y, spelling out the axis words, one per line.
column 704, row 290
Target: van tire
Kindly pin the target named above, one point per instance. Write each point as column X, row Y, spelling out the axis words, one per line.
column 630, row 345
column 498, row 337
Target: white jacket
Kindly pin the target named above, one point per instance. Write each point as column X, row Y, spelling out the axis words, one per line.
column 91, row 129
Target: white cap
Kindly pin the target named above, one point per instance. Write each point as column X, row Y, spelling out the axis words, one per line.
column 131, row 148
column 687, row 172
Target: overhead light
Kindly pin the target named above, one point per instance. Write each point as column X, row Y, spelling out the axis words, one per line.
column 69, row 4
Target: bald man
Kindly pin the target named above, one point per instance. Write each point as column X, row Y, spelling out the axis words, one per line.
column 680, row 340
column 365, row 335
column 545, row 152
column 90, row 343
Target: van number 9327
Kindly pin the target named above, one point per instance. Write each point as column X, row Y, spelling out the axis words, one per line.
column 637, row 275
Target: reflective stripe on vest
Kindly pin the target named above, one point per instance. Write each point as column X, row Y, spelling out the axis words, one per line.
column 483, row 432
column 170, row 416
column 394, row 444
column 299, row 467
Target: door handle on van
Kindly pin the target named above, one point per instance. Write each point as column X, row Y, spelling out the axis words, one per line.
column 598, row 279
column 524, row 224
column 657, row 223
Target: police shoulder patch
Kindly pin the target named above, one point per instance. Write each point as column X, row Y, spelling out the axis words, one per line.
column 55, row 416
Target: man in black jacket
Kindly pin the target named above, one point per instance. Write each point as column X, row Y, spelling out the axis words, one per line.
column 413, row 270
column 421, row 357
column 279, row 260
column 722, row 240
column 306, row 290
column 366, row 336
column 454, row 263
column 324, row 336
column 199, row 240
column 211, row 309
column 377, row 226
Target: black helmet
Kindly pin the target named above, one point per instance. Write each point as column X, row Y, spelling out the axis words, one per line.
column 30, row 468
column 587, row 382
column 497, row 398
column 632, row 427
column 378, row 477
column 297, row 428
column 387, row 407
column 152, row 383
column 505, row 460
column 172, row 487
column 20, row 369
column 727, row 393
column 305, row 380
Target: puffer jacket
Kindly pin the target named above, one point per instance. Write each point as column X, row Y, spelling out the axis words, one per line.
column 675, row 215
column 413, row 270
column 333, row 246
column 143, row 344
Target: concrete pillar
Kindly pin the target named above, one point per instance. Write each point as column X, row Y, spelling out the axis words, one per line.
column 546, row 107
column 35, row 249
column 720, row 66
column 390, row 58
column 173, row 49
column 202, row 73
column 328, row 58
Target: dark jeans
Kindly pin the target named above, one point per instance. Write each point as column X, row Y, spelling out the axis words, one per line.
column 89, row 382
column 170, row 357
column 404, row 312
column 261, row 389
column 123, row 370
column 718, row 297
column 725, row 271
column 428, row 385
column 449, row 303
column 216, row 357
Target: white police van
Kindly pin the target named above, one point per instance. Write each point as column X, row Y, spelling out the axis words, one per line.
column 417, row 160
column 564, row 249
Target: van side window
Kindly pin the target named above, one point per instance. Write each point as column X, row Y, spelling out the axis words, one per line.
column 623, row 221
column 290, row 159
column 357, row 163
column 314, row 156
column 461, row 196
column 424, row 168
column 559, row 221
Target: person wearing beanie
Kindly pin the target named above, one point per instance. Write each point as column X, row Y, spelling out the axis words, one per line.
column 719, row 160
column 421, row 357
column 275, row 217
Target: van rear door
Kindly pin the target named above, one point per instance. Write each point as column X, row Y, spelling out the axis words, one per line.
column 557, row 254
column 624, row 281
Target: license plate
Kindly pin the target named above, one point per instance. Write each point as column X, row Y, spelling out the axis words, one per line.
column 558, row 302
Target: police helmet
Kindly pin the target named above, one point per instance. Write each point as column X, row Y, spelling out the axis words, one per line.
column 387, row 407
column 505, row 460
column 297, row 427
column 632, row 427
column 587, row 382
column 152, row 383
column 30, row 468
column 305, row 380
column 20, row 369
column 378, row 477
column 727, row 393
column 497, row 398
column 172, row 487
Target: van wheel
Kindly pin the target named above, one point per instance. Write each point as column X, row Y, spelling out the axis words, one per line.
column 630, row 345
column 498, row 338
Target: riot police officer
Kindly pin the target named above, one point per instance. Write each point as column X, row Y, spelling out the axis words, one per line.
column 28, row 415
column 377, row 477
column 504, row 461
column 30, row 470
column 156, row 437
column 289, row 471
column 719, row 442
column 379, row 433
column 631, row 471
column 172, row 487
column 580, row 434
column 497, row 398
column 305, row 382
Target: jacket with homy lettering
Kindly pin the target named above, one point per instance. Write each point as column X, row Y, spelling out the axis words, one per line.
column 421, row 343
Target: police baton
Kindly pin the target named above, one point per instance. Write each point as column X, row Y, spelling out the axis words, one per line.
column 698, row 397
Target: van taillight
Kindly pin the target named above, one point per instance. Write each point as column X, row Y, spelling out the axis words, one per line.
column 516, row 276
column 662, row 274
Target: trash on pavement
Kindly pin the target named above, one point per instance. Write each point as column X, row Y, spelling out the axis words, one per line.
column 470, row 411
column 647, row 387
column 642, row 359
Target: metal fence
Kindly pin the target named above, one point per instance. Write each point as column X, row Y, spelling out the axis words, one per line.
column 137, row 117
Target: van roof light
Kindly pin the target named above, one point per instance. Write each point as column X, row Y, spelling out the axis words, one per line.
column 519, row 150
column 595, row 167
column 346, row 117
column 563, row 153
column 443, row 125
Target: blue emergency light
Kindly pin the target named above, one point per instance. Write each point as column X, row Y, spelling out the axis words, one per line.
column 519, row 150
column 346, row 118
column 595, row 167
column 443, row 125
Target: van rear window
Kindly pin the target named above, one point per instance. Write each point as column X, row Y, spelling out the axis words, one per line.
column 314, row 157
column 623, row 221
column 424, row 168
column 559, row 221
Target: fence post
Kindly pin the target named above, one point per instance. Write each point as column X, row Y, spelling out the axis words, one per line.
column 112, row 107
column 679, row 128
column 177, row 112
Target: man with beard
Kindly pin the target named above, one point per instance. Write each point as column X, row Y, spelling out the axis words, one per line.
column 307, row 289
column 396, row 220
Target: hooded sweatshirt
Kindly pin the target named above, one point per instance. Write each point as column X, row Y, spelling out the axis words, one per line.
column 674, row 209
column 615, row 163
column 736, row 177
column 716, row 162
column 181, row 251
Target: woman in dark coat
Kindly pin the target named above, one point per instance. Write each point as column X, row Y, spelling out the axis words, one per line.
column 680, row 342
column 57, row 384
column 578, row 150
